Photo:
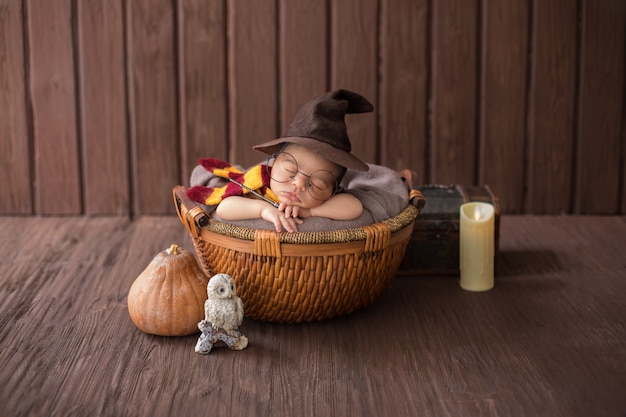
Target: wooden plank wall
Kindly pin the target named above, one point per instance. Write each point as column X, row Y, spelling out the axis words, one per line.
column 106, row 104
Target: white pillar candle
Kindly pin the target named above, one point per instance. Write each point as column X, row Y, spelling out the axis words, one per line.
column 476, row 252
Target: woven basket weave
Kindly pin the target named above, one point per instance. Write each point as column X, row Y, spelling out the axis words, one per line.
column 301, row 276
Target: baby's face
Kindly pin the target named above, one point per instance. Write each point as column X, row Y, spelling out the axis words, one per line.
column 305, row 162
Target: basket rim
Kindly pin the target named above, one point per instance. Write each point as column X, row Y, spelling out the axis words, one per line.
column 396, row 223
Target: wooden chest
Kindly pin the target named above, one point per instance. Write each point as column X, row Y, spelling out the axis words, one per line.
column 434, row 245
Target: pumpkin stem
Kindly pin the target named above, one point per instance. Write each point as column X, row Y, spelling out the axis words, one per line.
column 173, row 249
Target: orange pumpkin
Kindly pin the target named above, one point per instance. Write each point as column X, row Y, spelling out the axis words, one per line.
column 167, row 298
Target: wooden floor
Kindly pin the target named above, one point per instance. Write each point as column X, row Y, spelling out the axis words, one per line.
column 548, row 340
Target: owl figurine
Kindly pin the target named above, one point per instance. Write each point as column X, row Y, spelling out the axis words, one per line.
column 223, row 314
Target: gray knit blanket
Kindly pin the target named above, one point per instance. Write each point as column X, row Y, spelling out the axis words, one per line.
column 381, row 191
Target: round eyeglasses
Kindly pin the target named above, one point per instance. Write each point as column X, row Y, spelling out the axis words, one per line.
column 283, row 167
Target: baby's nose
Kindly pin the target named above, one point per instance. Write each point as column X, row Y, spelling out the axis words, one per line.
column 299, row 181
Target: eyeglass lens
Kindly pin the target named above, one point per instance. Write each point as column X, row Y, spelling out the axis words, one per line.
column 284, row 167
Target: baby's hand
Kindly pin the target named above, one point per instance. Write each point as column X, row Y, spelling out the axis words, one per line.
column 295, row 211
column 280, row 219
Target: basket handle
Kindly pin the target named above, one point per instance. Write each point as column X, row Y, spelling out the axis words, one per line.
column 267, row 243
column 378, row 236
column 191, row 215
column 416, row 197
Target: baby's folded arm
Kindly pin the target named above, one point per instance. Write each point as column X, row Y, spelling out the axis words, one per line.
column 342, row 206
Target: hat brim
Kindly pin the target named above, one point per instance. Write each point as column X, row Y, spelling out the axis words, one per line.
column 338, row 156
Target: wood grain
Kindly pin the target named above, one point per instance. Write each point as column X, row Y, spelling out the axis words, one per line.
column 203, row 104
column 547, row 340
column 551, row 107
column 253, row 107
column 454, row 114
column 104, row 109
column 354, row 66
column 623, row 191
column 303, row 55
column 403, row 109
column 14, row 141
column 153, row 102
column 600, row 112
column 504, row 63
column 52, row 93
column 103, row 123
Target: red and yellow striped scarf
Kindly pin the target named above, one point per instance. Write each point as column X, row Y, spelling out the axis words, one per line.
column 256, row 178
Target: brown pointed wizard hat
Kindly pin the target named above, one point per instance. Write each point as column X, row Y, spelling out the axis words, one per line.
column 320, row 125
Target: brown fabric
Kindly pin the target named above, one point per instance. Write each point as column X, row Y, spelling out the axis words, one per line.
column 320, row 126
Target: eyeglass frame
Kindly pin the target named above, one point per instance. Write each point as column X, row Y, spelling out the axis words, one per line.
column 336, row 187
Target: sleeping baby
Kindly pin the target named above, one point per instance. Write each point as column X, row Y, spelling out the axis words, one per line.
column 302, row 176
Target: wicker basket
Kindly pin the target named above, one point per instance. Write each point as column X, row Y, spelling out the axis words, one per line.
column 301, row 276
